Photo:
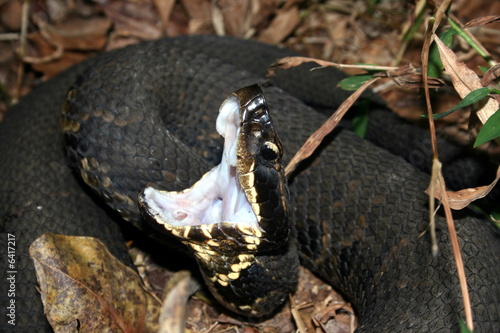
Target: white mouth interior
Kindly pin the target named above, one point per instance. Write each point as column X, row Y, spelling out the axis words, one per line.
column 217, row 196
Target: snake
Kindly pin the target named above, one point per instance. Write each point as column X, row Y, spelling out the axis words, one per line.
column 143, row 117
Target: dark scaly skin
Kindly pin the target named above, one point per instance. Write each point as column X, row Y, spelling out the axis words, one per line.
column 358, row 209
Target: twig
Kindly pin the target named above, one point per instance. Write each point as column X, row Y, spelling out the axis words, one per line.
column 10, row 36
column 22, row 49
column 301, row 327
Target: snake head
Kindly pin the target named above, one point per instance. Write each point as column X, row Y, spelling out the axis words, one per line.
column 236, row 217
column 241, row 204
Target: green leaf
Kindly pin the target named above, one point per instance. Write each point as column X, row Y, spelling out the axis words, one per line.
column 490, row 130
column 471, row 42
column 473, row 97
column 360, row 120
column 354, row 82
column 463, row 327
column 483, row 69
column 435, row 64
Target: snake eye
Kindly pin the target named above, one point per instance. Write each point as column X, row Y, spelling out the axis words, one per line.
column 269, row 151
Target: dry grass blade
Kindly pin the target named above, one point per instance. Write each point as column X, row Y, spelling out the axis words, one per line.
column 437, row 175
column 290, row 62
column 425, row 64
column 456, row 252
column 317, row 137
column 482, row 21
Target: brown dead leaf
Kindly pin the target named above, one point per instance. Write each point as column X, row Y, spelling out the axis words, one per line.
column 174, row 309
column 314, row 306
column 82, row 285
column 482, row 21
column 326, row 318
column 165, row 8
column 52, row 59
column 242, row 18
column 178, row 23
column 200, row 16
column 464, row 79
column 492, row 79
column 460, row 199
column 282, row 25
column 132, row 19
column 234, row 18
column 78, row 34
column 492, row 75
column 54, row 41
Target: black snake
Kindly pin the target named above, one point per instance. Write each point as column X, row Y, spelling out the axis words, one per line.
column 358, row 210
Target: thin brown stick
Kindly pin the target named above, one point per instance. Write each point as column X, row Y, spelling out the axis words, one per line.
column 22, row 48
column 457, row 254
column 437, row 169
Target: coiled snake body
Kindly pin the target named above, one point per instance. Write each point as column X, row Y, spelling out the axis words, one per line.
column 358, row 210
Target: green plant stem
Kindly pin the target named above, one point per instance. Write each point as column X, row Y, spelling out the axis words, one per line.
column 471, row 42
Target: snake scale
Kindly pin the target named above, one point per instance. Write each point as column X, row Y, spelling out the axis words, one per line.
column 359, row 210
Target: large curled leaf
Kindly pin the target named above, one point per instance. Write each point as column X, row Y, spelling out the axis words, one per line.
column 490, row 130
column 83, row 286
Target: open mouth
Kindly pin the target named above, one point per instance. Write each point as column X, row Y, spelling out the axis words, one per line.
column 218, row 195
